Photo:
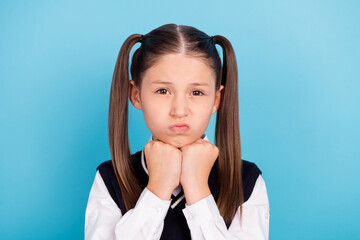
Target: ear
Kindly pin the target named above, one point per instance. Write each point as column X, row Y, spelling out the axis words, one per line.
column 218, row 97
column 134, row 95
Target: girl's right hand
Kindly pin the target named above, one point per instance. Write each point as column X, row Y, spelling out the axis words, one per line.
column 164, row 165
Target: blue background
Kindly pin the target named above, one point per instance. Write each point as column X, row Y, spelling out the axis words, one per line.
column 299, row 73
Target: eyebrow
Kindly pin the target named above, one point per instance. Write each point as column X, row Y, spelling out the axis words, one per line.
column 170, row 83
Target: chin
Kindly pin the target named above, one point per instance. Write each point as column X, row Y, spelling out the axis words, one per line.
column 180, row 141
column 176, row 143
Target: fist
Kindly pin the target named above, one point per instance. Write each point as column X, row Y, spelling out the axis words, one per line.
column 197, row 160
column 164, row 166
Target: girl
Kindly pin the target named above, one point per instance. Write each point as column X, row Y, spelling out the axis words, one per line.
column 180, row 186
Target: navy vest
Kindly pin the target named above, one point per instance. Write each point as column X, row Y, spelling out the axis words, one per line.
column 175, row 225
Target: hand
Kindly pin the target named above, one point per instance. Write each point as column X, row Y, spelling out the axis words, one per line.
column 197, row 160
column 164, row 165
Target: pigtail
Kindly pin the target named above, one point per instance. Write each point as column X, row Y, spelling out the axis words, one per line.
column 118, row 126
column 227, row 136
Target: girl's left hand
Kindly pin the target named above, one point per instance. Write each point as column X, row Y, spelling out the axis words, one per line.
column 197, row 160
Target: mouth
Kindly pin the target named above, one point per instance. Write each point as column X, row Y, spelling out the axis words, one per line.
column 179, row 127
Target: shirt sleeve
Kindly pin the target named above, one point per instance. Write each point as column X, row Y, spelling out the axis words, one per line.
column 205, row 222
column 104, row 220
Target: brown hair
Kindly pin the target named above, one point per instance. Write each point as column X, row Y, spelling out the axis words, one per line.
column 171, row 38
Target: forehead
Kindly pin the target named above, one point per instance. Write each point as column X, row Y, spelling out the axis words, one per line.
column 178, row 68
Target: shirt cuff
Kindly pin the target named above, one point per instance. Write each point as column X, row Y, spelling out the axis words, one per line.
column 156, row 206
column 203, row 210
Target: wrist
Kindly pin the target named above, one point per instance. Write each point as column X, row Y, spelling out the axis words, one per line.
column 162, row 193
column 195, row 192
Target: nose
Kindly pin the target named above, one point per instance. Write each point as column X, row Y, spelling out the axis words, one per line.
column 179, row 107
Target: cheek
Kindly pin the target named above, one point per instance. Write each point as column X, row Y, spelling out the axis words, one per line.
column 151, row 105
column 205, row 107
column 153, row 121
column 203, row 114
column 154, row 114
column 153, row 109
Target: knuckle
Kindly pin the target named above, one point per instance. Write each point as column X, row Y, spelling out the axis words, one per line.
column 148, row 145
column 214, row 149
column 156, row 144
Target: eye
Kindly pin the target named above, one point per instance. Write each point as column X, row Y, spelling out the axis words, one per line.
column 162, row 91
column 197, row 93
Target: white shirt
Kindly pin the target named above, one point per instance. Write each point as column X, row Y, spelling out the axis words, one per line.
column 104, row 220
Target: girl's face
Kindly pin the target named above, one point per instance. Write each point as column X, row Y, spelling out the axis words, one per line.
column 177, row 98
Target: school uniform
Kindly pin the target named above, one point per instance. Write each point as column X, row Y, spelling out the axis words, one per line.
column 154, row 218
